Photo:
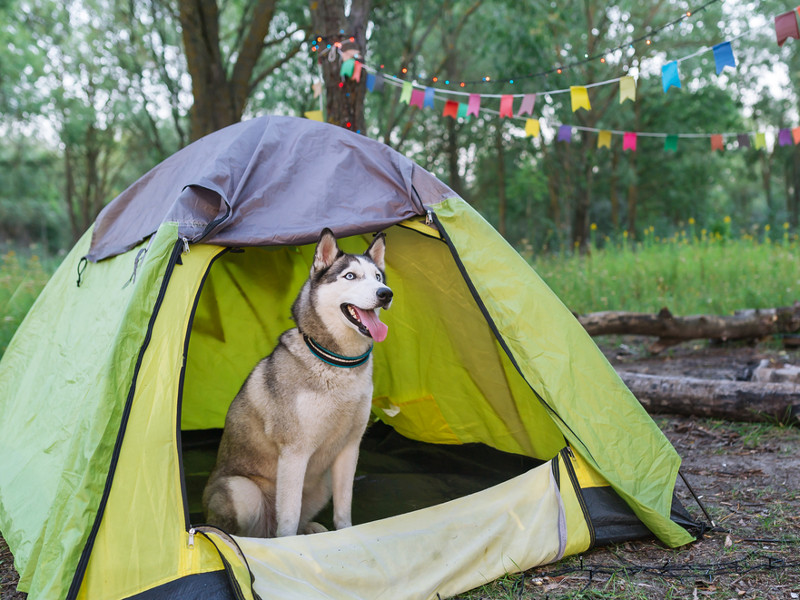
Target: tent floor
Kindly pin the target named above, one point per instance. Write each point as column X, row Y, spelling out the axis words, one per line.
column 395, row 475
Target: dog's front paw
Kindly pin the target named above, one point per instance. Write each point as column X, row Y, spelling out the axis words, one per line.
column 314, row 527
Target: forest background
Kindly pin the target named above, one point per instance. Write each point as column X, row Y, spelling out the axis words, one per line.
column 93, row 93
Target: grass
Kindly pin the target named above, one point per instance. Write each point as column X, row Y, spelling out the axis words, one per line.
column 23, row 274
column 687, row 273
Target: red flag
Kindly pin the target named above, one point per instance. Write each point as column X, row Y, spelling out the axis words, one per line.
column 506, row 106
column 450, row 109
column 716, row 142
column 786, row 27
column 357, row 71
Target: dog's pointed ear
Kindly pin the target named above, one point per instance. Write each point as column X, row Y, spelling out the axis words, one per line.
column 377, row 251
column 327, row 251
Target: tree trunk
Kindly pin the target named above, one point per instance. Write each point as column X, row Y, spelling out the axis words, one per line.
column 452, row 148
column 613, row 192
column 221, row 92
column 720, row 399
column 344, row 98
column 670, row 330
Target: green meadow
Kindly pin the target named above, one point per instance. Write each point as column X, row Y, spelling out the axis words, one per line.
column 690, row 272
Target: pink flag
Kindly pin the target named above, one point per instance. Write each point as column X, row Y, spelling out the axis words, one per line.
column 506, row 106
column 528, row 102
column 629, row 141
column 417, row 97
column 357, row 71
column 786, row 27
column 474, row 104
column 450, row 109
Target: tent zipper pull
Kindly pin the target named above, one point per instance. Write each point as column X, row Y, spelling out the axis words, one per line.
column 191, row 537
column 429, row 217
column 185, row 245
column 569, row 451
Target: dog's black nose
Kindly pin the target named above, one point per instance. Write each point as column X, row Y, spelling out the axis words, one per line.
column 384, row 294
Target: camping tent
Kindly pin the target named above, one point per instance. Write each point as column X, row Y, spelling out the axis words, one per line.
column 122, row 372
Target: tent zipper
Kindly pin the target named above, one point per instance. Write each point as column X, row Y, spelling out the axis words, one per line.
column 568, row 457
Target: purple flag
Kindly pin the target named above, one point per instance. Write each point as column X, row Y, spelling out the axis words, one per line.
column 743, row 140
column 785, row 137
column 565, row 133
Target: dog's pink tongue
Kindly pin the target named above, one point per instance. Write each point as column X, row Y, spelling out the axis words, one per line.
column 377, row 328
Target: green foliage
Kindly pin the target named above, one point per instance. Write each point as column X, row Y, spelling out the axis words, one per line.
column 688, row 273
column 22, row 277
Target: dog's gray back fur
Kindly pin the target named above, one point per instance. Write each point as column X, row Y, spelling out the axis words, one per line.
column 292, row 432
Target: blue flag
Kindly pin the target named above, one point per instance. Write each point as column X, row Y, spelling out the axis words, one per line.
column 723, row 56
column 670, row 75
column 428, row 97
column 565, row 133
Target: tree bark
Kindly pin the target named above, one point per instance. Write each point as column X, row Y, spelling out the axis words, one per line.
column 670, row 329
column 720, row 399
column 344, row 98
column 502, row 201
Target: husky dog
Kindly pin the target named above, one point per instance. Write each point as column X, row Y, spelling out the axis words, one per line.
column 292, row 432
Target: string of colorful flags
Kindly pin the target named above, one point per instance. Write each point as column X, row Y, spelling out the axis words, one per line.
column 424, row 97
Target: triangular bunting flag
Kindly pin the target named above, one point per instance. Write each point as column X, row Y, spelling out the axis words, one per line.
column 671, row 143
column 474, row 104
column 723, row 56
column 314, row 115
column 761, row 141
column 450, row 109
column 627, row 89
column 717, row 143
column 429, row 92
column 357, row 71
column 785, row 138
column 786, row 27
column 604, row 139
column 463, row 111
column 347, row 67
column 405, row 95
column 379, row 80
column 565, row 133
column 528, row 102
column 743, row 140
column 670, row 76
column 532, row 127
column 629, row 141
column 580, row 98
column 317, row 87
column 417, row 98
column 506, row 106
column 796, row 135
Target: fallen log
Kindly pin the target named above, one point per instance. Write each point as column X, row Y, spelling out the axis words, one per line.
column 669, row 329
column 719, row 399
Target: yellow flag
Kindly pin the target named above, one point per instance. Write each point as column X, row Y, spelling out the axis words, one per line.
column 532, row 127
column 604, row 139
column 627, row 89
column 580, row 99
column 314, row 115
column 761, row 141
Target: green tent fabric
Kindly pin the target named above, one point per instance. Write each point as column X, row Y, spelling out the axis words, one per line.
column 124, row 361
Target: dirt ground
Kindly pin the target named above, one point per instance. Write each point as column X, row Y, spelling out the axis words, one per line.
column 746, row 475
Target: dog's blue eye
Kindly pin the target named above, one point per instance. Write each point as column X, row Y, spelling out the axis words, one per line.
column 378, row 276
column 349, row 276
